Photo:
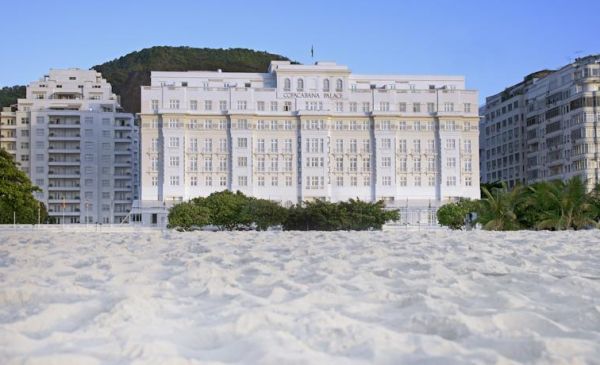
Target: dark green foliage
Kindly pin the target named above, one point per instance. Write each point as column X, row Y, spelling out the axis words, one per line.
column 188, row 216
column 264, row 213
column 554, row 205
column 452, row 215
column 10, row 94
column 235, row 211
column 126, row 74
column 16, row 194
column 321, row 215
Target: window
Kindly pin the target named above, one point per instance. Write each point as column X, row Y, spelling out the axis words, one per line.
column 366, row 164
column 207, row 105
column 353, row 106
column 402, row 181
column 243, row 180
column 339, row 85
column 366, row 180
column 467, row 146
column 242, row 161
column 154, row 180
column 223, row 105
column 242, row 142
column 300, row 85
column 417, row 180
column 386, row 143
column 288, row 164
column 451, row 181
column 173, row 104
column 450, row 144
column 274, row 145
column 287, row 85
column 326, row 85
column 417, row 146
column 386, row 161
column 260, row 105
column 431, row 180
column 260, row 164
column 274, row 106
column 339, row 106
column 194, row 181
column 468, row 181
column 260, row 145
column 193, row 144
column 366, row 107
column 403, row 167
column 366, row 146
column 431, row 164
column 339, row 145
column 467, row 107
column 242, row 104
column 174, row 180
column 274, row 180
column 193, row 104
column 416, row 107
column 353, row 146
column 451, row 162
column 275, row 164
column 261, row 181
column 386, row 180
column 207, row 145
column 223, row 181
column 339, row 181
column 288, row 145
column 384, row 106
column 208, row 181
column 288, row 181
column 430, row 108
column 417, row 165
column 402, row 146
column 154, row 105
column 448, row 107
column 402, row 107
column 193, row 163
column 174, row 161
column 353, row 164
column 468, row 165
column 173, row 142
column 339, row 164
column 223, row 164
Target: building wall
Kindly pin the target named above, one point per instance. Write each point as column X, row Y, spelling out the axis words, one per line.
column 559, row 126
column 354, row 138
column 76, row 145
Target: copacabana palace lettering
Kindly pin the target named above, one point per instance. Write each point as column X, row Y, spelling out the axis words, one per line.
column 311, row 95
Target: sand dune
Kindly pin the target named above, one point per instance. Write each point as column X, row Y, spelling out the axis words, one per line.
column 300, row 298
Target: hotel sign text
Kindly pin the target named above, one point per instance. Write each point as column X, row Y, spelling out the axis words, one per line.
column 312, row 95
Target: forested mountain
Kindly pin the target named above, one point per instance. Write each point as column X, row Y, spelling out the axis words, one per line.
column 128, row 73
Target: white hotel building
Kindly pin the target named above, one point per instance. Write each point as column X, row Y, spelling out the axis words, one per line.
column 72, row 139
column 301, row 132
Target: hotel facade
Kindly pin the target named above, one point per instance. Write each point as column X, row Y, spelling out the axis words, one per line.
column 72, row 139
column 302, row 132
column 544, row 128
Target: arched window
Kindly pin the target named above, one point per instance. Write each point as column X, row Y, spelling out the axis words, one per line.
column 326, row 85
column 287, row 85
column 300, row 85
column 338, row 85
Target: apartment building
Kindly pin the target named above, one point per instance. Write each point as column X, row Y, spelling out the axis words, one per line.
column 544, row 128
column 302, row 132
column 72, row 138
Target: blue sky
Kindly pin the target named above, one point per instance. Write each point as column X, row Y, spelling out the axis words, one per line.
column 493, row 43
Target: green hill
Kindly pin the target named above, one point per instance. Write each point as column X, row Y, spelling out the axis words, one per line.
column 10, row 94
column 128, row 73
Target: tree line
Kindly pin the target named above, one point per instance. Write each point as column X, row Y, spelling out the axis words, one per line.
column 550, row 205
column 227, row 210
column 17, row 203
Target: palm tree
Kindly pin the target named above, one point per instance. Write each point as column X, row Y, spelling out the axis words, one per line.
column 498, row 208
column 566, row 205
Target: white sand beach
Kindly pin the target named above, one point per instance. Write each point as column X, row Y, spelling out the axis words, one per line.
column 434, row 297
